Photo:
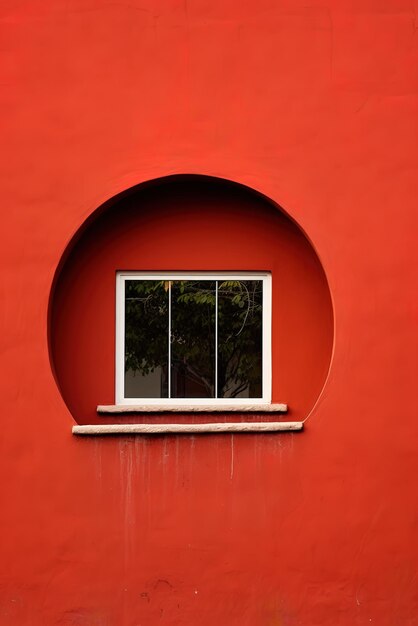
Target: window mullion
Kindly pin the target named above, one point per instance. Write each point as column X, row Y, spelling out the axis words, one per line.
column 169, row 338
column 216, row 339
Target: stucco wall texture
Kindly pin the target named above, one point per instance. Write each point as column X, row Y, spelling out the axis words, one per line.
column 315, row 105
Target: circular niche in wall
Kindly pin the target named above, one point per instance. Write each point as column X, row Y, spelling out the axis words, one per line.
column 188, row 224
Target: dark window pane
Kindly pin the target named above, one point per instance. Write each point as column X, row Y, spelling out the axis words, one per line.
column 146, row 339
column 240, row 338
column 193, row 339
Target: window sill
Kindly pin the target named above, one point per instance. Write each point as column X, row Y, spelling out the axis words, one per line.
column 188, row 428
column 191, row 408
column 162, row 429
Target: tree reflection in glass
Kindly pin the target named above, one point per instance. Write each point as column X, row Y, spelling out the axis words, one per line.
column 146, row 340
column 240, row 304
column 193, row 338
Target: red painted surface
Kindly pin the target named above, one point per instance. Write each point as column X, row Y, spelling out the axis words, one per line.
column 186, row 225
column 315, row 106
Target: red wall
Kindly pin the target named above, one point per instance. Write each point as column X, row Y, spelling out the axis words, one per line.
column 187, row 225
column 314, row 105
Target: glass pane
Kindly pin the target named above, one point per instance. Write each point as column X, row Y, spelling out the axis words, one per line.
column 146, row 339
column 193, row 338
column 240, row 304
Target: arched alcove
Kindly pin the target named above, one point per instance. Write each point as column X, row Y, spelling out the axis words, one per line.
column 188, row 224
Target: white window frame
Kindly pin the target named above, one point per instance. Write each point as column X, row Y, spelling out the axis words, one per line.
column 122, row 276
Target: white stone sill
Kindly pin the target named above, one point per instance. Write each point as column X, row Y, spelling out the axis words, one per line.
column 161, row 429
column 191, row 408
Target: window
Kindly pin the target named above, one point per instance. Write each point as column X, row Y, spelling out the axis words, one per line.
column 193, row 338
